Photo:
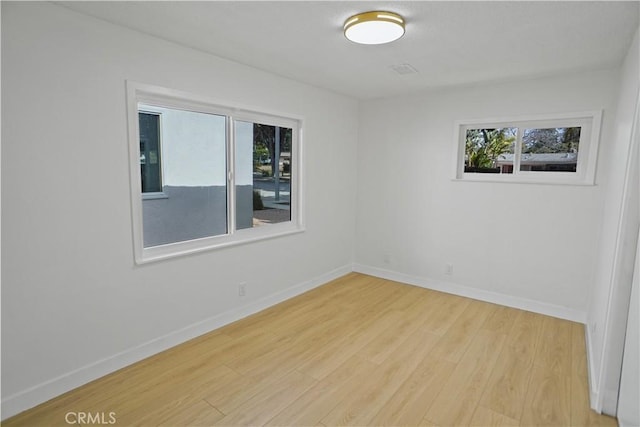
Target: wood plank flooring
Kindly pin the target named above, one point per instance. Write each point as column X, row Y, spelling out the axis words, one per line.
column 356, row 351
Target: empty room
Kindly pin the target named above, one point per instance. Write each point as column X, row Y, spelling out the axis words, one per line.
column 319, row 213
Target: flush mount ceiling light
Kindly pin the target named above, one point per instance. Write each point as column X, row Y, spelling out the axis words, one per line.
column 375, row 27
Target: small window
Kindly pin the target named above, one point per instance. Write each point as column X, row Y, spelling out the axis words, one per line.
column 556, row 149
column 209, row 176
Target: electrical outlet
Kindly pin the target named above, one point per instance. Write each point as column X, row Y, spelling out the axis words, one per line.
column 242, row 289
column 448, row 269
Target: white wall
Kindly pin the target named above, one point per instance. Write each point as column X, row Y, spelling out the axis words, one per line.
column 525, row 245
column 628, row 409
column 609, row 300
column 74, row 305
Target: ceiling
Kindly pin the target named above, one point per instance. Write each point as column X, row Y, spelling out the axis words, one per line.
column 447, row 43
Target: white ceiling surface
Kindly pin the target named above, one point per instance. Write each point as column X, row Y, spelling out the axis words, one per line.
column 448, row 43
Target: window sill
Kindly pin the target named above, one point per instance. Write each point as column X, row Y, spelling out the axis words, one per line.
column 154, row 196
column 524, row 180
column 240, row 237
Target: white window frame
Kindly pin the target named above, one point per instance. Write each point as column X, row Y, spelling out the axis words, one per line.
column 163, row 97
column 589, row 121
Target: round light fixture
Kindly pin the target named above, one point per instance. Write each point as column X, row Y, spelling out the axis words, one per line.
column 375, row 27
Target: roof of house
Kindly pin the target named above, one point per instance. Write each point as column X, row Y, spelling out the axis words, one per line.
column 540, row 158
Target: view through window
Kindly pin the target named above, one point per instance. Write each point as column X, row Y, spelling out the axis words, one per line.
column 194, row 174
column 150, row 152
column 267, row 188
column 541, row 150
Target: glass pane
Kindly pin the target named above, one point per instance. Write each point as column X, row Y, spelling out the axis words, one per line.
column 150, row 152
column 489, row 150
column 192, row 201
column 550, row 149
column 263, row 174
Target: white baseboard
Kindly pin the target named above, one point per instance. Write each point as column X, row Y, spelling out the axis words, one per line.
column 47, row 390
column 474, row 293
column 594, row 394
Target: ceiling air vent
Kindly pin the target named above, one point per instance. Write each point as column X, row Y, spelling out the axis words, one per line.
column 404, row 69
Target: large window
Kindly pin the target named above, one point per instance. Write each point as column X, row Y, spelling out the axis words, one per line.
column 558, row 149
column 206, row 176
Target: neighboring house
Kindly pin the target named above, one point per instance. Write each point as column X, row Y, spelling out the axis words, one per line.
column 556, row 162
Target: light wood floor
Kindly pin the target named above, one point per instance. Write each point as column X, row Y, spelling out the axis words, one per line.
column 357, row 351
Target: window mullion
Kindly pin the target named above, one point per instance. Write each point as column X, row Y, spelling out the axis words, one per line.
column 231, row 179
column 517, row 155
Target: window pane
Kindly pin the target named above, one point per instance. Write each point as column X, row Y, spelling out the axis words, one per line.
column 263, row 174
column 150, row 152
column 550, row 149
column 489, row 150
column 193, row 199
